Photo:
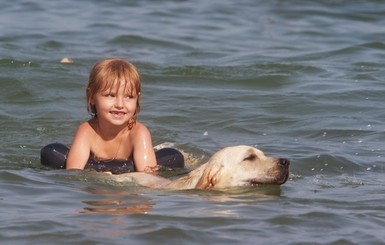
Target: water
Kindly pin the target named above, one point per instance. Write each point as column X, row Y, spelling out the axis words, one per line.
column 297, row 79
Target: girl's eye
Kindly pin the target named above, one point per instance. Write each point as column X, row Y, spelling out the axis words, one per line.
column 113, row 95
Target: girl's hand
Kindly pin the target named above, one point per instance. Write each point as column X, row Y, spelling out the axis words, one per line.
column 150, row 169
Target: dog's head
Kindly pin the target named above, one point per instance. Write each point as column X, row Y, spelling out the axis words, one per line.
column 243, row 166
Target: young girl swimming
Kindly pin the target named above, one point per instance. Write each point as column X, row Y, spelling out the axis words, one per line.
column 113, row 133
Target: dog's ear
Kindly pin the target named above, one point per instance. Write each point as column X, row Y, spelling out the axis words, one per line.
column 209, row 177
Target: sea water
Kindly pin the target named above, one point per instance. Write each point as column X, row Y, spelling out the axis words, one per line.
column 302, row 80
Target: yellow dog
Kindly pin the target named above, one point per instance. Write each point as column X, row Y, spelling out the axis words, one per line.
column 232, row 166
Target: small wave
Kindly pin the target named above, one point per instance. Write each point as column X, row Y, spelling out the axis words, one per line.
column 52, row 44
column 135, row 40
column 324, row 164
column 13, row 63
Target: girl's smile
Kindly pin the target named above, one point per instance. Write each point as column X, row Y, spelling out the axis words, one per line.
column 118, row 114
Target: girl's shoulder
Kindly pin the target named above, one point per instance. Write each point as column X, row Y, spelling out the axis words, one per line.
column 88, row 125
column 139, row 129
column 86, row 128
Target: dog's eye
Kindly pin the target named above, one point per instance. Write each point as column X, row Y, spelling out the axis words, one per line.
column 250, row 157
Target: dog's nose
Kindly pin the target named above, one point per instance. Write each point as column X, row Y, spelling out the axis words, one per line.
column 284, row 162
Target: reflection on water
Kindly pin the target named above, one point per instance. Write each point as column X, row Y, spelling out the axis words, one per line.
column 118, row 207
column 129, row 202
column 123, row 203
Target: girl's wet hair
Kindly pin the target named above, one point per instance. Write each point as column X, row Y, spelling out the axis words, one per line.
column 110, row 72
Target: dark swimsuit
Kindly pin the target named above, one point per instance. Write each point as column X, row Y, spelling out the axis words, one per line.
column 118, row 166
column 55, row 155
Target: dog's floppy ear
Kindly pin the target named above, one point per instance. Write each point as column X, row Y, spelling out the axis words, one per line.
column 209, row 177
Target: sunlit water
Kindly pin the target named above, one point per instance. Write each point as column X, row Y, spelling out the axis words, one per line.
column 297, row 79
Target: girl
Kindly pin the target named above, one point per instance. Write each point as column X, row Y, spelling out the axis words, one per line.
column 113, row 133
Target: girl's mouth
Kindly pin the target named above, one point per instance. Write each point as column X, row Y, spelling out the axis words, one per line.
column 118, row 113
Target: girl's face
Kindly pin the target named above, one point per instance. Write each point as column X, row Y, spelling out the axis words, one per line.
column 116, row 105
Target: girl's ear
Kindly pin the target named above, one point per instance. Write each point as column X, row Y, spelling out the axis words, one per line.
column 92, row 106
column 92, row 101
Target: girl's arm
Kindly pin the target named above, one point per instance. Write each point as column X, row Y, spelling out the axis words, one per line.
column 80, row 148
column 144, row 155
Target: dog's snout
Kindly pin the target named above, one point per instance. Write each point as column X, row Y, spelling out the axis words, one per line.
column 284, row 162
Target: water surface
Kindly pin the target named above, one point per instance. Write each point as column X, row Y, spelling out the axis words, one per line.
column 301, row 80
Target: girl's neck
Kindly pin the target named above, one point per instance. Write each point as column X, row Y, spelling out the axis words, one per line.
column 108, row 132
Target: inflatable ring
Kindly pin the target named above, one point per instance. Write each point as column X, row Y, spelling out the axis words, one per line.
column 55, row 155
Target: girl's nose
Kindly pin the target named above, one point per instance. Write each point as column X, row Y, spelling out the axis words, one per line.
column 119, row 102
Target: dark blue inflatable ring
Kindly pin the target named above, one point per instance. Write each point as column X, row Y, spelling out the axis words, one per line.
column 55, row 155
